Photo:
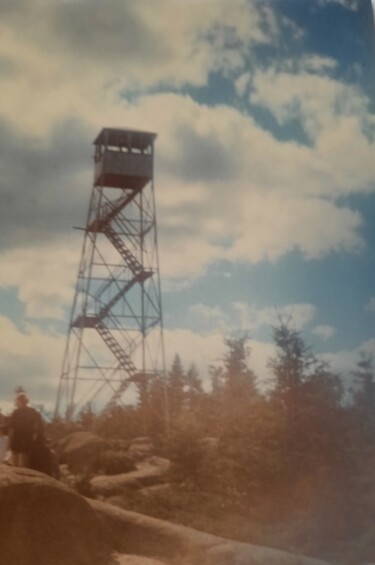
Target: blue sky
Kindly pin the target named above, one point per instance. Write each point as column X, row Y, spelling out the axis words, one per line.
column 265, row 190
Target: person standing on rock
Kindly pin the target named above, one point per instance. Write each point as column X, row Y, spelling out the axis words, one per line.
column 25, row 426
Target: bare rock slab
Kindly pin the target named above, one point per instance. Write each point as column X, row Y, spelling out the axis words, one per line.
column 45, row 523
column 137, row 560
column 148, row 473
column 80, row 449
column 135, row 533
column 140, row 448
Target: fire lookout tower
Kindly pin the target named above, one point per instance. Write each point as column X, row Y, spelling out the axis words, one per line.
column 115, row 338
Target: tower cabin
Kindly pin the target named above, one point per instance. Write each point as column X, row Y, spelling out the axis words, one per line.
column 123, row 158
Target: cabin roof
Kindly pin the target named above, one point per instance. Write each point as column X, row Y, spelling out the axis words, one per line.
column 125, row 137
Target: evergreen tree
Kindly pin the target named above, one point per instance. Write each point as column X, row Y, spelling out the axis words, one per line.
column 292, row 364
column 175, row 389
column 86, row 417
column 308, row 395
column 143, row 408
column 233, row 388
column 239, row 380
column 217, row 381
column 193, row 389
column 158, row 410
column 364, row 376
column 299, row 373
column 364, row 396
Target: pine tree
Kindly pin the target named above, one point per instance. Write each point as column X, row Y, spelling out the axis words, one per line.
column 364, row 375
column 239, row 380
column 193, row 389
column 176, row 384
column 308, row 395
column 291, row 365
column 364, row 396
column 233, row 387
column 158, row 409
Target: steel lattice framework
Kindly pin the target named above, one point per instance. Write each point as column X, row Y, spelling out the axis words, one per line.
column 115, row 337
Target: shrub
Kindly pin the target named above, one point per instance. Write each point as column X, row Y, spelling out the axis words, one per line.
column 186, row 450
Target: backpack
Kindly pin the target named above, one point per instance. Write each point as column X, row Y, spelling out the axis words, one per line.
column 42, row 459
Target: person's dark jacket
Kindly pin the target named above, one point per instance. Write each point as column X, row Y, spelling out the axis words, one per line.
column 25, row 425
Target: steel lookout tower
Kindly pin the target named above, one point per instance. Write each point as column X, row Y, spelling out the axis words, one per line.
column 115, row 340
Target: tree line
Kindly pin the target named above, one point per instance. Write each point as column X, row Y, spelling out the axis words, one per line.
column 303, row 450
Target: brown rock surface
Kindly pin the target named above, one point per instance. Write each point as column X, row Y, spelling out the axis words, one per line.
column 135, row 533
column 137, row 560
column 45, row 523
column 81, row 450
column 148, row 473
column 141, row 448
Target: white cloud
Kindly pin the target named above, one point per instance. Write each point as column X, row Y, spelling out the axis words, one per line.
column 194, row 348
column 345, row 360
column 225, row 188
column 31, row 358
column 209, row 349
column 324, row 332
column 206, row 317
column 260, row 211
column 74, row 58
column 349, row 4
column 43, row 275
column 242, row 83
column 206, row 346
column 316, row 63
column 303, row 65
column 316, row 100
column 250, row 317
column 228, row 205
column 273, row 225
column 198, row 223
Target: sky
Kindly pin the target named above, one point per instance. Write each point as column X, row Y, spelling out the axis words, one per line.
column 264, row 172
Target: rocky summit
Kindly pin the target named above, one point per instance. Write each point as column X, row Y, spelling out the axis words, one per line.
column 45, row 523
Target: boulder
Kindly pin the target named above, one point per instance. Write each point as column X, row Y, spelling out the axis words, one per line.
column 67, row 477
column 45, row 523
column 163, row 488
column 160, row 463
column 119, row 444
column 135, row 533
column 81, row 451
column 210, row 443
column 137, row 560
column 111, row 462
column 88, row 454
column 148, row 473
column 104, row 486
column 140, row 448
